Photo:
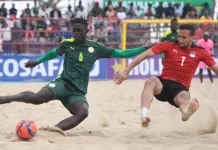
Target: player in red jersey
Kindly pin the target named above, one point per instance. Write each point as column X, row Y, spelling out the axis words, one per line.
column 181, row 61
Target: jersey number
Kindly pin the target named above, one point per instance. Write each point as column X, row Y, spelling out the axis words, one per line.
column 183, row 60
column 80, row 56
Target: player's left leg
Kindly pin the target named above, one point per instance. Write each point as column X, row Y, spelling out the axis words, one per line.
column 79, row 111
column 210, row 75
column 201, row 75
column 186, row 107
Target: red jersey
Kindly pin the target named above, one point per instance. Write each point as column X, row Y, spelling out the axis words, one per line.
column 180, row 64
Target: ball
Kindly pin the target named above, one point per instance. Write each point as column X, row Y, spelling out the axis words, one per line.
column 26, row 129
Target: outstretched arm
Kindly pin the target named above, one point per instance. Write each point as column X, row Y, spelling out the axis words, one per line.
column 128, row 52
column 119, row 78
column 48, row 56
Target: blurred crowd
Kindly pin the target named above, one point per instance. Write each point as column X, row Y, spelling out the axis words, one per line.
column 49, row 25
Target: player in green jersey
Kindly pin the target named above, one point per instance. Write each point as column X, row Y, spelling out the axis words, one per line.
column 170, row 35
column 70, row 87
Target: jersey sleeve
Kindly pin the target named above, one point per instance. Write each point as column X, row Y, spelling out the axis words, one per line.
column 207, row 59
column 104, row 51
column 160, row 47
column 62, row 49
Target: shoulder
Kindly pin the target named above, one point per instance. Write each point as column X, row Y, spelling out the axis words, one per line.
column 167, row 33
column 71, row 40
column 198, row 47
column 211, row 41
column 200, row 40
column 166, row 44
column 94, row 43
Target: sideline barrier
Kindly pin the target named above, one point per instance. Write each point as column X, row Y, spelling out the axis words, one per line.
column 12, row 69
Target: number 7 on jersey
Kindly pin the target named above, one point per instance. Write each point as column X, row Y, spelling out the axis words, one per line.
column 183, row 60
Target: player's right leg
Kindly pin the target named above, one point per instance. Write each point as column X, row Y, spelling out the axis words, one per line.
column 210, row 75
column 43, row 96
column 186, row 107
column 201, row 75
column 152, row 86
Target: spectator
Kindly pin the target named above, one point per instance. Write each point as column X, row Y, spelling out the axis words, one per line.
column 186, row 9
column 13, row 11
column 96, row 11
column 80, row 11
column 16, row 35
column 192, row 14
column 48, row 9
column 28, row 10
column 107, row 7
column 30, row 27
column 206, row 9
column 138, row 12
column 55, row 14
column 101, row 34
column 43, row 12
column 91, row 33
column 160, row 11
column 121, row 14
column 131, row 11
column 6, row 37
column 169, row 11
column 110, row 13
column 207, row 27
column 23, row 20
column 149, row 12
column 178, row 9
column 120, row 5
column 3, row 11
column 41, row 27
column 69, row 14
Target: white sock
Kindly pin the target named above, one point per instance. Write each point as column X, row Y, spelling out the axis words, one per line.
column 144, row 113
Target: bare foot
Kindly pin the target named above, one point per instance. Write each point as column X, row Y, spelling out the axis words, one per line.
column 191, row 108
column 145, row 123
column 53, row 129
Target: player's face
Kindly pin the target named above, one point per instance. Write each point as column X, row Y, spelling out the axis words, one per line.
column 174, row 25
column 79, row 32
column 184, row 39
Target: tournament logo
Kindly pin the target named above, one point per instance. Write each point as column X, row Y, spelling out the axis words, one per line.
column 52, row 85
column 91, row 49
column 192, row 54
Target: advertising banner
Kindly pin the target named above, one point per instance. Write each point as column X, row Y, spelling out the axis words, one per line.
column 146, row 69
column 12, row 68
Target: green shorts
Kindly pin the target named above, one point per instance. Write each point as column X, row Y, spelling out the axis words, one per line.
column 65, row 94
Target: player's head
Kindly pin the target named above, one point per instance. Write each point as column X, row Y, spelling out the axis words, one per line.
column 206, row 36
column 79, row 29
column 174, row 25
column 186, row 35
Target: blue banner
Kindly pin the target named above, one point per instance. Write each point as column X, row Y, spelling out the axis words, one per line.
column 12, row 68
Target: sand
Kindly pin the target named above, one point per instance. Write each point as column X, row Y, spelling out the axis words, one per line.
column 114, row 120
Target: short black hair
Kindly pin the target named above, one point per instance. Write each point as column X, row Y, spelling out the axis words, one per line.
column 189, row 27
column 80, row 20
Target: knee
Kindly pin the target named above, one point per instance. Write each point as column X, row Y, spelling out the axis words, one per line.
column 35, row 100
column 83, row 113
column 149, row 83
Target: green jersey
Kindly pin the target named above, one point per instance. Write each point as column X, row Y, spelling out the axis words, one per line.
column 169, row 36
column 79, row 59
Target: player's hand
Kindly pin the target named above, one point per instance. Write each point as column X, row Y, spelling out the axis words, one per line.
column 120, row 77
column 31, row 64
